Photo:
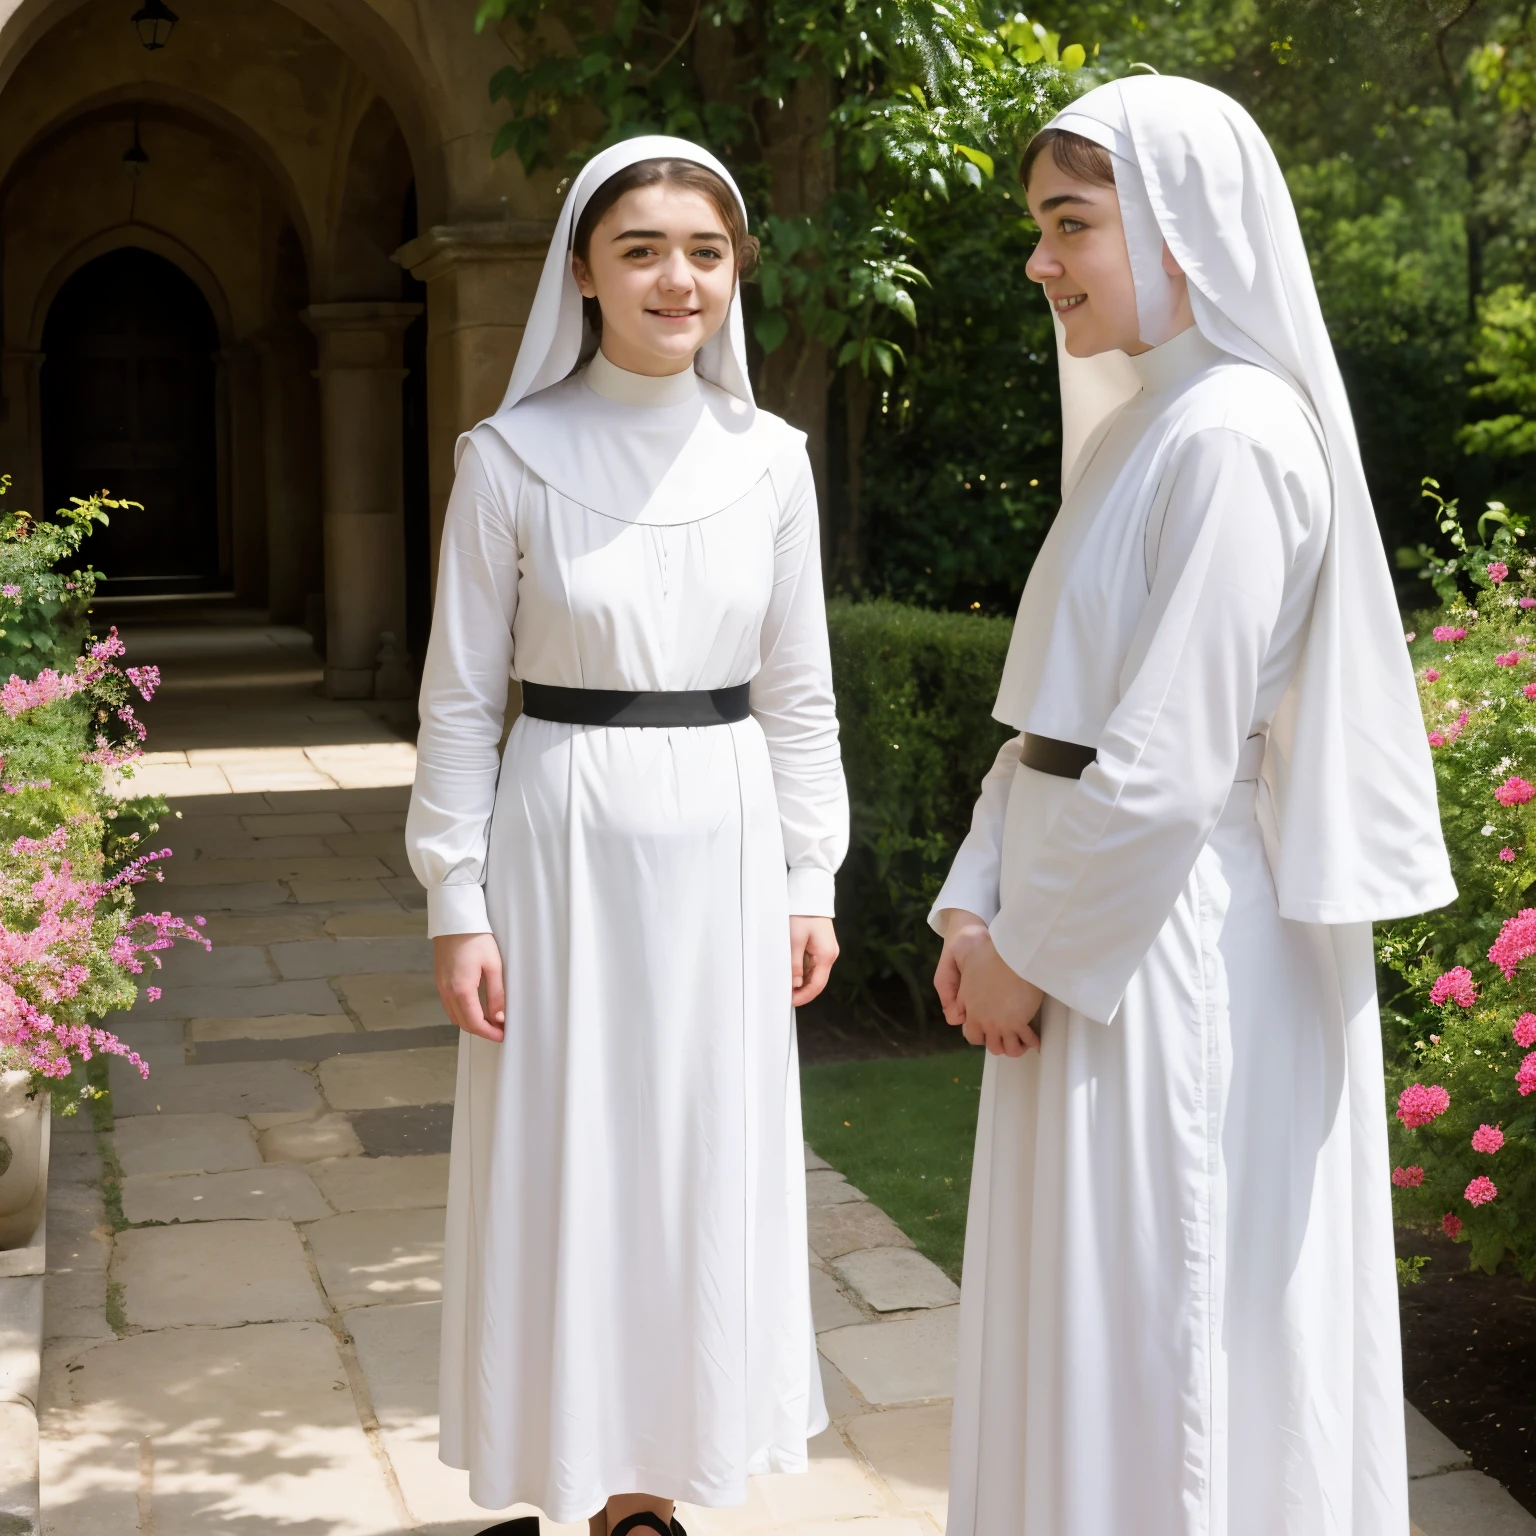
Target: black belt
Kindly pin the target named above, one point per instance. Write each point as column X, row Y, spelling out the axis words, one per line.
column 617, row 706
column 1064, row 759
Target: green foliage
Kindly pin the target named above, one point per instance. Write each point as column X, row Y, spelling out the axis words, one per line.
column 43, row 599
column 963, row 456
column 915, row 691
column 1505, row 354
column 903, row 1131
column 922, row 99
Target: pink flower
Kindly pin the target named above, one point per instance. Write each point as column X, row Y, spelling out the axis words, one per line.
column 1455, row 986
column 1481, row 1190
column 10, row 589
column 145, row 679
column 1434, row 1039
column 1528, row 602
column 1516, row 941
column 1514, row 791
column 1455, row 728
column 1408, row 1178
column 1529, row 690
column 1507, row 854
column 152, row 993
column 1448, row 634
column 1451, row 1226
column 1525, row 1031
column 1508, row 659
column 1497, row 571
column 1431, row 675
column 1436, row 739
column 1525, row 1075
column 1487, row 1138
column 104, row 650
column 1418, row 1104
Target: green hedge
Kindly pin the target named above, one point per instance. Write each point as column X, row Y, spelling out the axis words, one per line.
column 915, row 690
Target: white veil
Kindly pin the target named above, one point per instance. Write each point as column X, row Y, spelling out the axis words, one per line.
column 1353, row 822
column 552, row 340
column 657, row 466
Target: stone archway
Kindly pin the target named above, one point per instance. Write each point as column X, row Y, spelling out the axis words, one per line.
column 128, row 405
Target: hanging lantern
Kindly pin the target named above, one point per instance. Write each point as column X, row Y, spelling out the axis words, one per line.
column 154, row 22
column 134, row 158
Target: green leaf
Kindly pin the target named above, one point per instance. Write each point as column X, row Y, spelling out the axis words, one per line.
column 771, row 282
column 771, row 329
column 979, row 158
column 1073, row 56
column 849, row 351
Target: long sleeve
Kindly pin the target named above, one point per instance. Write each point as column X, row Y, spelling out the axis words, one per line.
column 463, row 702
column 1082, row 908
column 791, row 698
column 973, row 879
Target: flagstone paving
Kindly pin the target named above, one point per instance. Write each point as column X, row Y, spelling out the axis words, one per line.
column 246, row 1340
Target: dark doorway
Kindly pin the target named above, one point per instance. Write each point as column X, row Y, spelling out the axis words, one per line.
column 128, row 397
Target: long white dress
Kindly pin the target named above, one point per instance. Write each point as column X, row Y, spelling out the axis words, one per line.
column 1179, row 1312
column 626, row 1302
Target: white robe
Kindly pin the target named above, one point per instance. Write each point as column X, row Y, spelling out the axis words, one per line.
column 1179, row 1311
column 626, row 1300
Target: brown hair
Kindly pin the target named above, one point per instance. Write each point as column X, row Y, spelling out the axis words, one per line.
column 1072, row 153
column 688, row 174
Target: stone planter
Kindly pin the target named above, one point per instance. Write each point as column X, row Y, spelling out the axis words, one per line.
column 24, row 1128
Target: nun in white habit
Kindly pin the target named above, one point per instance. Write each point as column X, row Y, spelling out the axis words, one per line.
column 1179, row 1314
column 649, row 861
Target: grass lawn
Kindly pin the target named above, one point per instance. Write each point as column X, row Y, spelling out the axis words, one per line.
column 902, row 1131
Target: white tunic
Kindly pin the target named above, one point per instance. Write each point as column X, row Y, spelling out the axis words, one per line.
column 626, row 1306
column 1180, row 1312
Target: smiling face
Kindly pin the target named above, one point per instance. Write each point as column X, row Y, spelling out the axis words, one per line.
column 1082, row 261
column 663, row 271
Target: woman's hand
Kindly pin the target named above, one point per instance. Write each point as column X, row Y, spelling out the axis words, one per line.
column 963, row 931
column 1000, row 1007
column 812, row 949
column 467, row 970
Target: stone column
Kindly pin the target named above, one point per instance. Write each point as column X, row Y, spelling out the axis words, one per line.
column 360, row 374
column 480, row 280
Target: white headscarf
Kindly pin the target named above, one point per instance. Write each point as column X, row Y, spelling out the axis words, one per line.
column 553, row 338
column 661, row 464
column 1352, row 820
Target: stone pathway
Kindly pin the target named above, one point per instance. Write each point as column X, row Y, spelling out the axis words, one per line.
column 242, row 1334
column 241, row 1309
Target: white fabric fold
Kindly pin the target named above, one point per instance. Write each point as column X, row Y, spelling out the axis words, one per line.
column 1354, row 829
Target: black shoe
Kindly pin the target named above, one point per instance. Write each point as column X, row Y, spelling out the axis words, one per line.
column 524, row 1525
column 645, row 1520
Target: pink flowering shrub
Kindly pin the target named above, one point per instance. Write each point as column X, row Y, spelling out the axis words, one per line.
column 73, row 947
column 1487, row 1138
column 1458, row 986
column 1455, row 986
column 1448, row 634
column 1418, row 1104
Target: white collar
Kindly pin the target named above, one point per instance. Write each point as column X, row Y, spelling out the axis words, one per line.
column 619, row 384
column 1179, row 358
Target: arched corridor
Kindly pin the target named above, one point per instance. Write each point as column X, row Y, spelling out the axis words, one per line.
column 258, row 279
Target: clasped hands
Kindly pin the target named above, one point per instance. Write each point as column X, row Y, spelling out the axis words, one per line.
column 987, row 1000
